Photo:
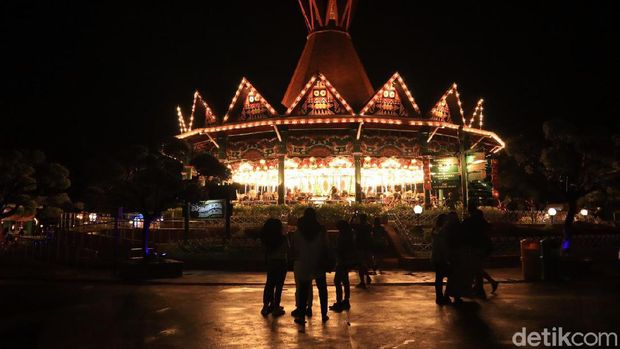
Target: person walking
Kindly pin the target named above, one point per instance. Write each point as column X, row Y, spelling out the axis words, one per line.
column 310, row 249
column 477, row 229
column 345, row 259
column 440, row 256
column 460, row 277
column 363, row 243
column 276, row 246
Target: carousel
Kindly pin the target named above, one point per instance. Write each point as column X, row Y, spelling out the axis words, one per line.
column 337, row 139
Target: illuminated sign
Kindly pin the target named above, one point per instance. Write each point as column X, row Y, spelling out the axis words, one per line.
column 209, row 209
column 445, row 173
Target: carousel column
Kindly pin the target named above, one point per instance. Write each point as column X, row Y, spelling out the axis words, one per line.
column 463, row 169
column 281, row 175
column 357, row 162
column 426, row 168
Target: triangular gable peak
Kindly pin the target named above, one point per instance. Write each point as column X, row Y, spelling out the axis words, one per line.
column 182, row 127
column 477, row 114
column 319, row 97
column 248, row 104
column 441, row 110
column 187, row 125
column 200, row 103
column 392, row 99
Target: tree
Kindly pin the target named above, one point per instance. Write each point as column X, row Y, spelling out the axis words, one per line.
column 521, row 179
column 140, row 180
column 30, row 184
column 206, row 165
column 580, row 164
column 137, row 180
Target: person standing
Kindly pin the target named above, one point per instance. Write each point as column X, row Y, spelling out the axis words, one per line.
column 380, row 244
column 310, row 249
column 363, row 243
column 276, row 246
column 440, row 256
column 345, row 259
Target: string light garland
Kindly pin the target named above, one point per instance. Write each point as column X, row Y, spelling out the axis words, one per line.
column 341, row 120
column 181, row 120
column 395, row 77
column 478, row 113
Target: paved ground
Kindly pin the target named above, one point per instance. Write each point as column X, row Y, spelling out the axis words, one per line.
column 229, row 278
column 48, row 314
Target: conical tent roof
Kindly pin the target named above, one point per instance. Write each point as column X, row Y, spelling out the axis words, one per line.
column 330, row 51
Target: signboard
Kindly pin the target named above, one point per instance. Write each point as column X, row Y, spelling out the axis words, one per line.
column 445, row 173
column 476, row 167
column 209, row 209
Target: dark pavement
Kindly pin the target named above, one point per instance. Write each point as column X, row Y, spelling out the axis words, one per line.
column 48, row 314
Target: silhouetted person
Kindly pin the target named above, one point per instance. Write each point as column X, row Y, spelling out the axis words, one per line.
column 345, row 260
column 307, row 305
column 477, row 230
column 461, row 273
column 310, row 249
column 363, row 242
column 441, row 255
column 449, row 202
column 276, row 246
column 379, row 238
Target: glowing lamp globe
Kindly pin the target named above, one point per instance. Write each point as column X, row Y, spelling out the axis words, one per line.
column 583, row 212
column 552, row 212
column 417, row 209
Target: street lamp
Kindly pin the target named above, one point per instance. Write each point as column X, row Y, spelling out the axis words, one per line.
column 584, row 214
column 417, row 209
column 552, row 212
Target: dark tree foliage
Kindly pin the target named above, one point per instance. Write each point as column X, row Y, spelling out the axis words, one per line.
column 577, row 166
column 581, row 165
column 137, row 180
column 149, row 182
column 521, row 180
column 205, row 164
column 29, row 184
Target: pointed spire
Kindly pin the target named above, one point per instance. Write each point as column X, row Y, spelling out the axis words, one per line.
column 319, row 97
column 248, row 104
column 393, row 98
column 330, row 14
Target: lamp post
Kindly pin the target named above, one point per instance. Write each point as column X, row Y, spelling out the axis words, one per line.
column 552, row 212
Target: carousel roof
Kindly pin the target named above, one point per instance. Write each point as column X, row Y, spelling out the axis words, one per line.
column 330, row 86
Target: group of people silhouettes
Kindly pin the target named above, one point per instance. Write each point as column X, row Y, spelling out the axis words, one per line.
column 458, row 251
column 309, row 249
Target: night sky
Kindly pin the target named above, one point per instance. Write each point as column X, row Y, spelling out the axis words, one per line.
column 81, row 78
